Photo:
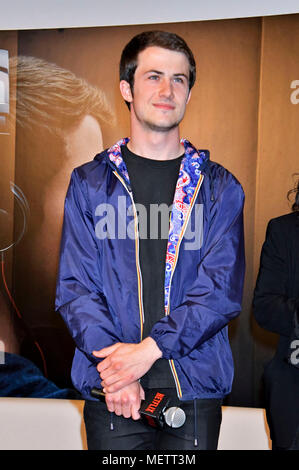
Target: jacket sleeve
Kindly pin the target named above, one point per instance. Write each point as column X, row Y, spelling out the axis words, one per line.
column 79, row 298
column 216, row 296
column 272, row 308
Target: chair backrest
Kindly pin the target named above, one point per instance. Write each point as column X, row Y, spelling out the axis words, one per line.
column 57, row 424
column 244, row 429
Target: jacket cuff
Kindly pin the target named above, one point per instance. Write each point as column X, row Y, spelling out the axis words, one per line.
column 166, row 353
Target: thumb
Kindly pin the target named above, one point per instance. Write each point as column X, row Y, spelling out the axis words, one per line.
column 105, row 351
column 142, row 394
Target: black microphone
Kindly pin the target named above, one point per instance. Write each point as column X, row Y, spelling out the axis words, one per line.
column 154, row 410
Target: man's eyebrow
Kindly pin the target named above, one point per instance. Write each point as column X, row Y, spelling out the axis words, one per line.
column 153, row 71
column 181, row 75
column 158, row 72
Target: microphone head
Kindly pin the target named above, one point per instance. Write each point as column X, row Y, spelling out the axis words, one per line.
column 174, row 417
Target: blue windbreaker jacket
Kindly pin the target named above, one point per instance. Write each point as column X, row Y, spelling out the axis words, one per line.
column 99, row 285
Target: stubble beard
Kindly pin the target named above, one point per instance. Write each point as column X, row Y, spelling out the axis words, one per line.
column 147, row 124
column 158, row 128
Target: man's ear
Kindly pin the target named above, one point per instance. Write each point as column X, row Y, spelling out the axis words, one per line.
column 125, row 90
column 189, row 96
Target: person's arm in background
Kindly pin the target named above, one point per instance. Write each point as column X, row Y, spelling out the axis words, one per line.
column 272, row 308
column 79, row 298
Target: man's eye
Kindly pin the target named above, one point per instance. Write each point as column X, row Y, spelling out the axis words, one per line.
column 178, row 80
column 153, row 77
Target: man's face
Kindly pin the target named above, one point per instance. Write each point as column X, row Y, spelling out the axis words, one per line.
column 161, row 89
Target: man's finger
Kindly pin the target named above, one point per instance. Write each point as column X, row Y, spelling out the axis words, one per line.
column 142, row 394
column 103, row 365
column 135, row 410
column 109, row 380
column 116, row 386
column 111, row 366
column 110, row 403
column 117, row 380
column 126, row 407
column 106, row 351
column 135, row 413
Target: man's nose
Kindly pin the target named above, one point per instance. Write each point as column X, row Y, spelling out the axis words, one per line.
column 166, row 89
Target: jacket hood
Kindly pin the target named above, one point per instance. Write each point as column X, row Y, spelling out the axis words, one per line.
column 193, row 163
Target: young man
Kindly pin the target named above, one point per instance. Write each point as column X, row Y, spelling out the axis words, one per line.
column 149, row 311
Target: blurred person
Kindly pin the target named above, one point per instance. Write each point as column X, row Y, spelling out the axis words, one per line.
column 55, row 112
column 19, row 376
column 151, row 312
column 276, row 309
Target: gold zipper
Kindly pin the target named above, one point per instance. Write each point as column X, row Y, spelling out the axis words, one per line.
column 171, row 362
column 139, row 276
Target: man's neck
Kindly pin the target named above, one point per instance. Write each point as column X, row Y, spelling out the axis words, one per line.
column 156, row 145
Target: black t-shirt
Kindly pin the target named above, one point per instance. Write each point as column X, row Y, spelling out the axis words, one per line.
column 153, row 185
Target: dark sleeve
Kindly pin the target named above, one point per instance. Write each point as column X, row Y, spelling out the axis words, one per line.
column 272, row 308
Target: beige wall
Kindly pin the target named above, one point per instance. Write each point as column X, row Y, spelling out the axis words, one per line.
column 8, row 41
column 277, row 152
column 278, row 142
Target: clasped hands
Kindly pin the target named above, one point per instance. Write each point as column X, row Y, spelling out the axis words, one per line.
column 122, row 365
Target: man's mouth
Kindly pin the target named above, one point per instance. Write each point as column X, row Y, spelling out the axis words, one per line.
column 165, row 106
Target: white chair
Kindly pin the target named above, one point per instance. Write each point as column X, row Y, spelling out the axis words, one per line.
column 41, row 424
column 244, row 429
